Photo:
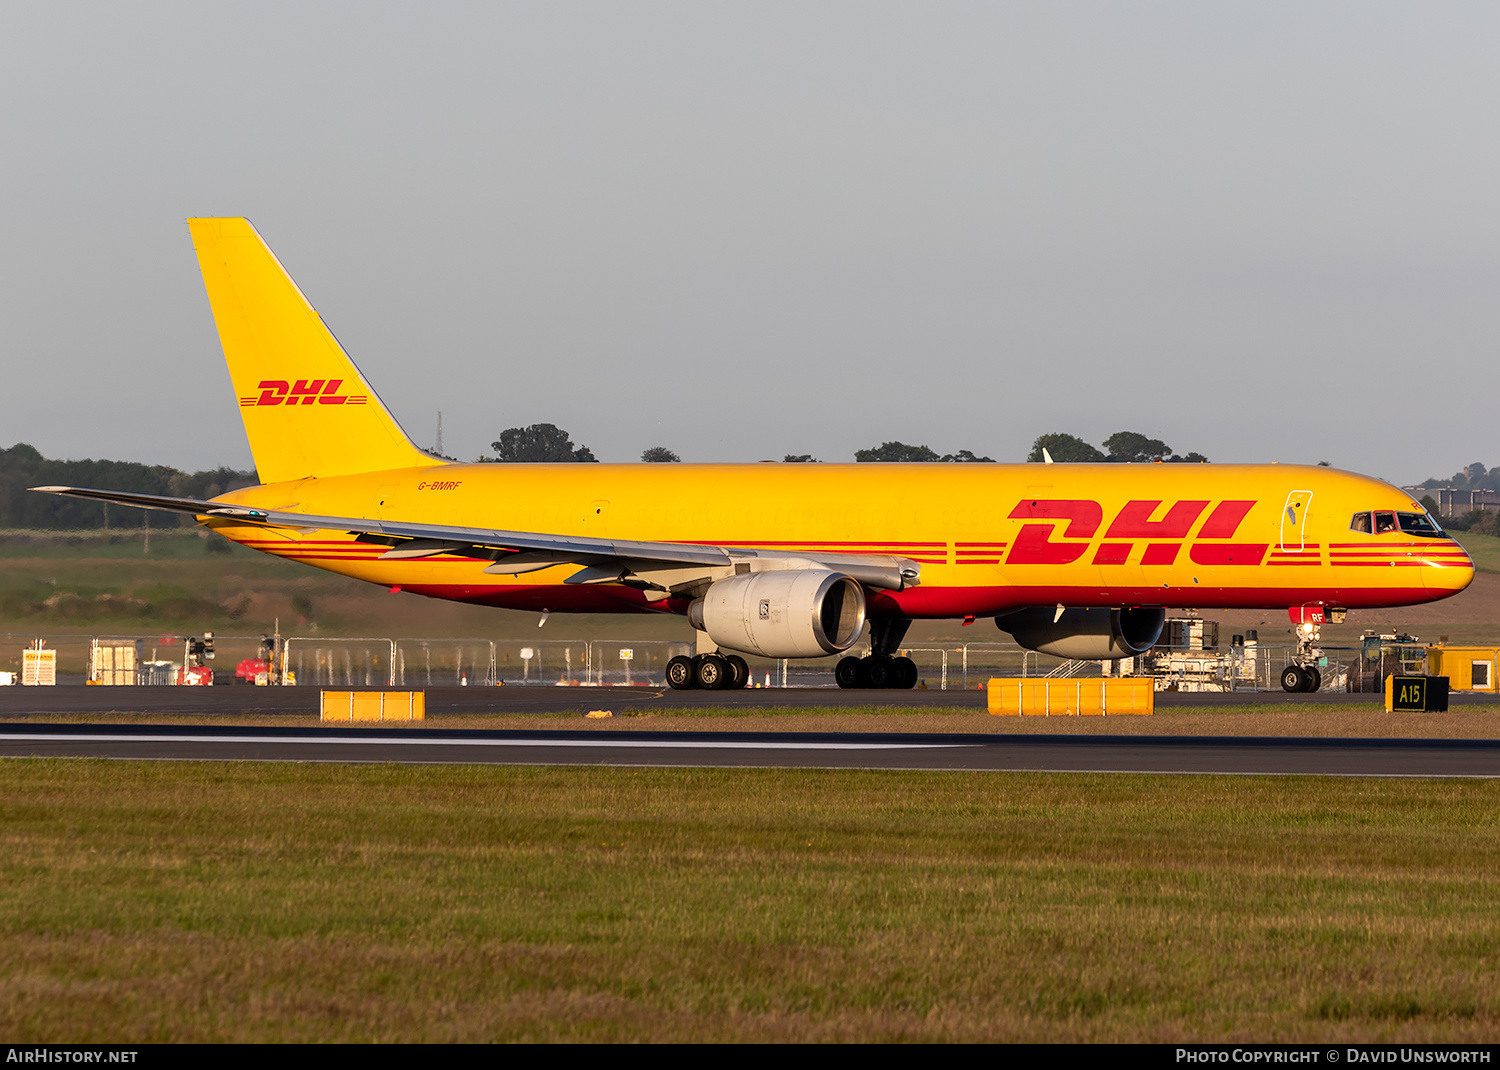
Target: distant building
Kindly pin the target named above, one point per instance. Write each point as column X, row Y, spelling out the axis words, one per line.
column 1458, row 502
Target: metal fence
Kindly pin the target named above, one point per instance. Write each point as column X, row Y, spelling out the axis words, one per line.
column 478, row 662
column 414, row 662
column 338, row 662
column 322, row 661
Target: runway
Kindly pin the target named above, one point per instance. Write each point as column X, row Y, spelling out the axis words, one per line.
column 20, row 702
column 1116, row 754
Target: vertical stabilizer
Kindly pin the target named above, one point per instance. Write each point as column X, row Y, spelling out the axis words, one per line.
column 307, row 409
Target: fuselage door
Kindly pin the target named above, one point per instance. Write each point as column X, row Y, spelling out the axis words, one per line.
column 595, row 520
column 1294, row 521
column 386, row 507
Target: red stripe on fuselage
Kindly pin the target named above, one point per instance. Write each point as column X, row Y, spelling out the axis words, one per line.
column 940, row 602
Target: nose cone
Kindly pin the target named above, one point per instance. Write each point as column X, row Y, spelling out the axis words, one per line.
column 1447, row 568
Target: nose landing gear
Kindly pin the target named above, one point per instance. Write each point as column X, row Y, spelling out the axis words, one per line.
column 1303, row 675
column 1301, row 678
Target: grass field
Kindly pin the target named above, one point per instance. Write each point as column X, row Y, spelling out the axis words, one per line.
column 1484, row 549
column 249, row 902
column 94, row 584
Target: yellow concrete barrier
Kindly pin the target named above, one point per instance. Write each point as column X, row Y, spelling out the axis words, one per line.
column 1100, row 696
column 374, row 705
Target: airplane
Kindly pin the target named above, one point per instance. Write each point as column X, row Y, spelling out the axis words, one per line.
column 783, row 560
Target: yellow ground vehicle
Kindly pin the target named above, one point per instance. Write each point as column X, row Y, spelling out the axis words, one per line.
column 1076, row 560
column 1469, row 668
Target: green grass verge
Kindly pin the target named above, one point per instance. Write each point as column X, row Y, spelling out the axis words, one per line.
column 93, row 582
column 169, row 543
column 248, row 902
column 1484, row 549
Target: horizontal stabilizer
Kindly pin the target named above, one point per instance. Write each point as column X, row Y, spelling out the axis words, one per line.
column 191, row 506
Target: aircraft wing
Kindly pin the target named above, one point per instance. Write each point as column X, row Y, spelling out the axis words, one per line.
column 515, row 552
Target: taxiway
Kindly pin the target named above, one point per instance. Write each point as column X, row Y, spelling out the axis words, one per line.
column 1120, row 754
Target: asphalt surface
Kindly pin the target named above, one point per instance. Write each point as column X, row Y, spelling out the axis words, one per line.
column 20, row 702
column 1122, row 754
column 434, row 744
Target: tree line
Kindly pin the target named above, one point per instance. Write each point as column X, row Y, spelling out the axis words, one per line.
column 1471, row 477
column 23, row 466
column 1124, row 447
column 548, row 443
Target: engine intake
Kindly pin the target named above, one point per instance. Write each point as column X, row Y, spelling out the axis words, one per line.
column 1087, row 634
column 794, row 613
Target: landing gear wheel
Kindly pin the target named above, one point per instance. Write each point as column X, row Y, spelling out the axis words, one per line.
column 1314, row 678
column 906, row 673
column 713, row 672
column 880, row 671
column 846, row 672
column 680, row 674
column 739, row 671
column 1294, row 678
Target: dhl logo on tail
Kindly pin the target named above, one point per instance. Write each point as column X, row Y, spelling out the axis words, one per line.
column 306, row 391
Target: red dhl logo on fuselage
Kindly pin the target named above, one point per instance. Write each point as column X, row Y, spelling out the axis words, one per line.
column 1035, row 546
column 305, row 391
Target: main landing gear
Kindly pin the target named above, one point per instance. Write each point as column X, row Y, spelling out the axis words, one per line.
column 882, row 669
column 876, row 671
column 711, row 672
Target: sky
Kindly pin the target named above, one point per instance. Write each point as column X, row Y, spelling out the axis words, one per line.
column 1260, row 231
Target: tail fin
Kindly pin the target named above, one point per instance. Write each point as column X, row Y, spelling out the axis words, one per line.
column 307, row 409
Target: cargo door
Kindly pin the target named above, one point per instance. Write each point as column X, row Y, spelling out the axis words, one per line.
column 1294, row 521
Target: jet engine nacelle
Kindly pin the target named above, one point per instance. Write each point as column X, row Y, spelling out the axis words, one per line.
column 1087, row 634
column 792, row 613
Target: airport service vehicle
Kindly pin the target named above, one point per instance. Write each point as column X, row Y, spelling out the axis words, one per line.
column 780, row 560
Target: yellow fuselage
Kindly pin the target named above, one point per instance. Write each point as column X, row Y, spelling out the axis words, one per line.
column 989, row 538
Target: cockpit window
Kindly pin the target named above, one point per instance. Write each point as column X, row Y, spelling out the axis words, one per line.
column 1419, row 524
